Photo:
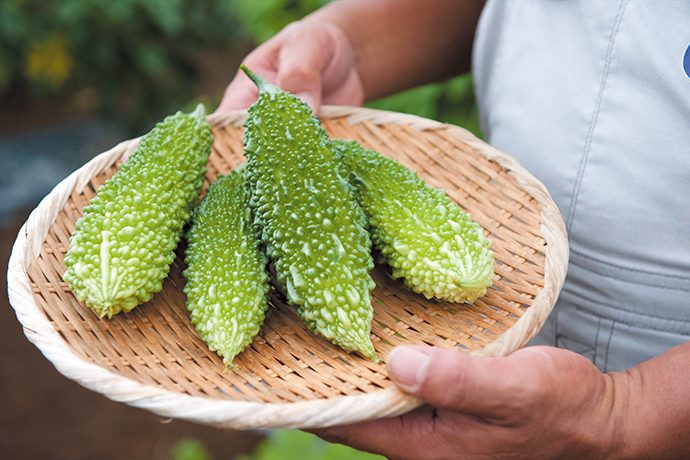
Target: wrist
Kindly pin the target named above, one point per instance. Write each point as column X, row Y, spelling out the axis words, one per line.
column 596, row 420
column 634, row 422
column 614, row 412
column 653, row 412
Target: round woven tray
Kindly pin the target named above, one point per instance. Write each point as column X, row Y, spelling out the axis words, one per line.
column 152, row 358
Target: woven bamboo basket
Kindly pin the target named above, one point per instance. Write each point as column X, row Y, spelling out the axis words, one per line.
column 152, row 357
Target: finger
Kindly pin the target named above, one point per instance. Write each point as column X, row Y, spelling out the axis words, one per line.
column 342, row 84
column 392, row 437
column 350, row 92
column 488, row 387
column 241, row 92
column 301, row 62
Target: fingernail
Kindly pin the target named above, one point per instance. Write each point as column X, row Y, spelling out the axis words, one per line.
column 407, row 367
column 308, row 99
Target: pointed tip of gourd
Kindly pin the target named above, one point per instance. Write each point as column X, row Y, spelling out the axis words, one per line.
column 199, row 112
column 375, row 359
column 230, row 363
column 240, row 168
column 258, row 81
column 366, row 350
column 372, row 356
column 263, row 85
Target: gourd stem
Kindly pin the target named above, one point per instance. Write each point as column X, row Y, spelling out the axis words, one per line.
column 263, row 85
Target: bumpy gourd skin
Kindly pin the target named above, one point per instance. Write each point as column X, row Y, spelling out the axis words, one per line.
column 122, row 247
column 226, row 274
column 310, row 223
column 428, row 241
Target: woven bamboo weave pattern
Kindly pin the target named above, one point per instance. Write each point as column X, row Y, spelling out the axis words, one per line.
column 157, row 346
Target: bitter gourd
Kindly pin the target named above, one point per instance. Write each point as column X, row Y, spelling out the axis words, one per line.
column 311, row 225
column 426, row 238
column 226, row 274
column 122, row 247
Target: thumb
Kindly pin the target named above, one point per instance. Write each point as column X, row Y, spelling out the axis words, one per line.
column 449, row 379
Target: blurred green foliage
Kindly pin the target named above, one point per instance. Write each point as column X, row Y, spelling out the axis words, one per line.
column 136, row 56
column 298, row 445
column 278, row 445
column 451, row 101
column 262, row 19
column 189, row 449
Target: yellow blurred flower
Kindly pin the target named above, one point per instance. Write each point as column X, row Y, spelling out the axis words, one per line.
column 49, row 61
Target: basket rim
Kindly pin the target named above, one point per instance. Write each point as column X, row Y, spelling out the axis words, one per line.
column 235, row 414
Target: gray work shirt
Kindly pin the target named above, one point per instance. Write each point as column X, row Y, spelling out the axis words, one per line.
column 593, row 99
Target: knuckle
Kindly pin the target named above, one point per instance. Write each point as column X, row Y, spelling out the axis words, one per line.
column 296, row 71
column 291, row 28
column 522, row 399
column 304, row 29
column 253, row 60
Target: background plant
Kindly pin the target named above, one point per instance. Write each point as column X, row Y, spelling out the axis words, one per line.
column 133, row 56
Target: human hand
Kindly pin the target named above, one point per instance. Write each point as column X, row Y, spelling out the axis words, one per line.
column 310, row 58
column 539, row 402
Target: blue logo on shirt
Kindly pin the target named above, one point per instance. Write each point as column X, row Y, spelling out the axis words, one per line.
column 686, row 61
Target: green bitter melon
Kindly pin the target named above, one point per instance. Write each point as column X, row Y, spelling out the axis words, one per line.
column 311, row 225
column 226, row 274
column 426, row 238
column 122, row 247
